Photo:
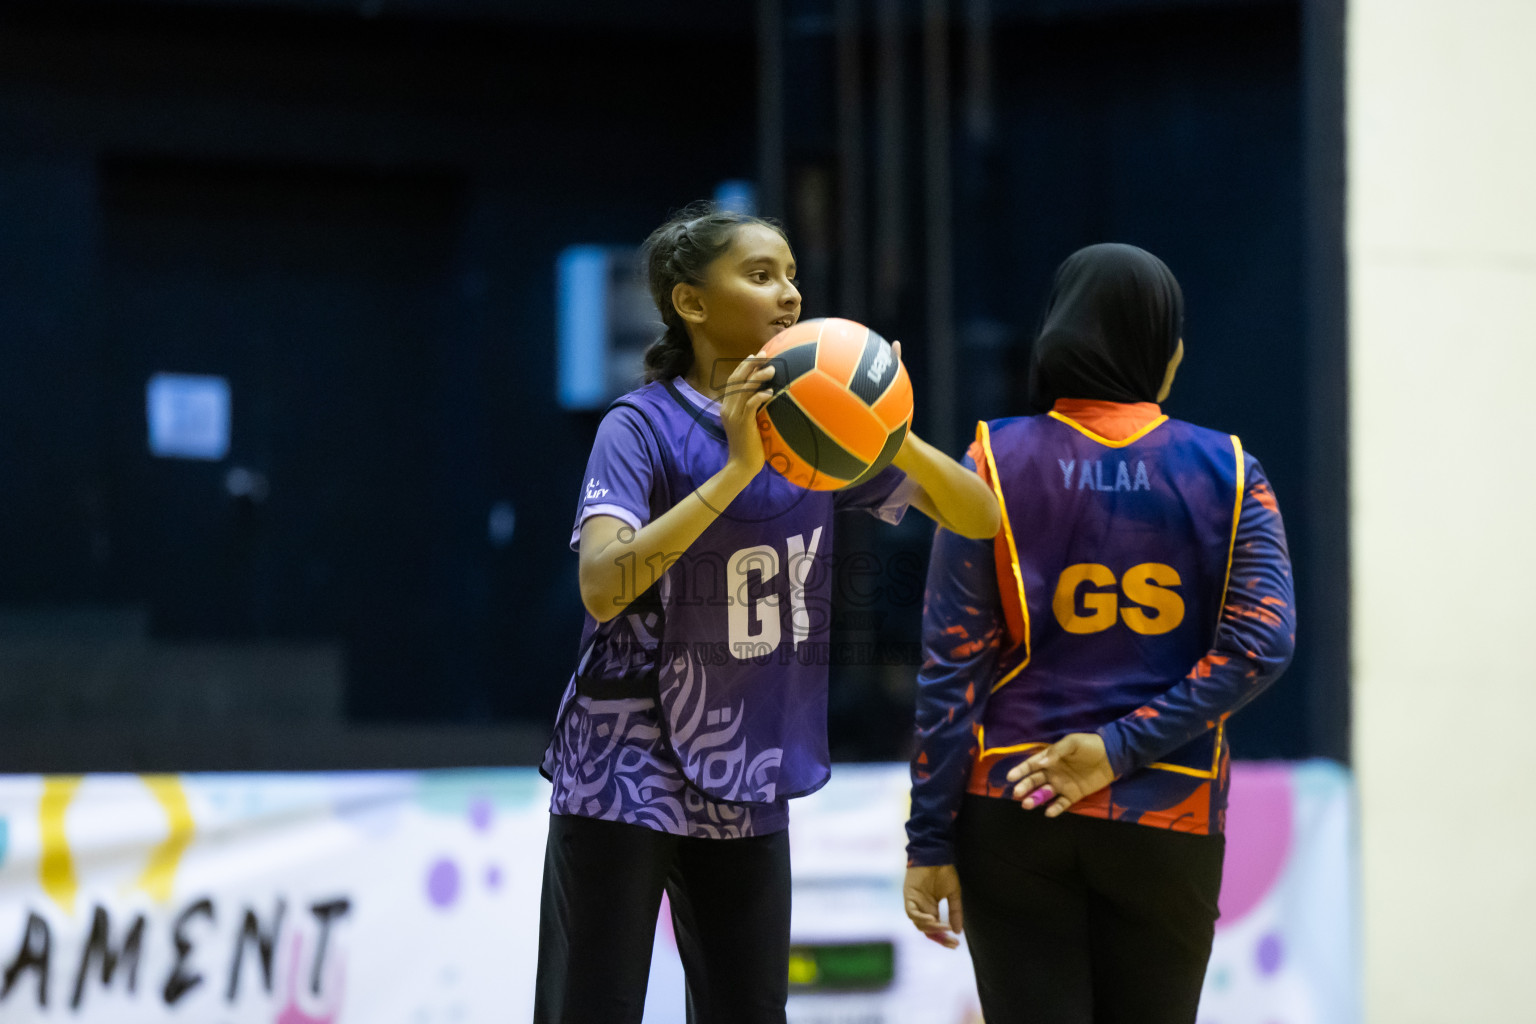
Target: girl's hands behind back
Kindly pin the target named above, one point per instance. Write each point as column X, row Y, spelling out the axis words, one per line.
column 746, row 392
column 1065, row 772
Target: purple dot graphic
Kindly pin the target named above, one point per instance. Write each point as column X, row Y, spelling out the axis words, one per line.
column 443, row 883
column 493, row 877
column 480, row 814
column 1270, row 953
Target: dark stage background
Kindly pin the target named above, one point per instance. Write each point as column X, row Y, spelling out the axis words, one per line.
column 352, row 212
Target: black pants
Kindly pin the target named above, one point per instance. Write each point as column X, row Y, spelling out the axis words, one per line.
column 1076, row 920
column 597, row 920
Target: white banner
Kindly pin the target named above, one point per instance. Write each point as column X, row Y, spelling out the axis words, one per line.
column 377, row 898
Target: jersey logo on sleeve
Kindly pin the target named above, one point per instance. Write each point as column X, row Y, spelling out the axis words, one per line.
column 595, row 490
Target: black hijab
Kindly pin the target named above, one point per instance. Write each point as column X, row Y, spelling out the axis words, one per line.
column 1113, row 321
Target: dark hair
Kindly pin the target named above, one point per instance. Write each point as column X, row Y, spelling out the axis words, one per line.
column 677, row 253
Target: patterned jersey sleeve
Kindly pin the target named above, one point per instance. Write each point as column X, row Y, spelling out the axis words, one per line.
column 962, row 633
column 620, row 472
column 1254, row 642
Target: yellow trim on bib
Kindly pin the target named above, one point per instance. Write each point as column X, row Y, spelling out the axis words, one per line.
column 1221, row 724
column 984, row 436
column 1106, row 442
column 983, row 752
column 1237, row 514
column 1197, row 773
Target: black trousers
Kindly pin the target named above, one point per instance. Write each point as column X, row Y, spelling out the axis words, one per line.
column 603, row 882
column 1075, row 920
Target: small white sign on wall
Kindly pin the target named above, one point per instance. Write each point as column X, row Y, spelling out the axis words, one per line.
column 188, row 416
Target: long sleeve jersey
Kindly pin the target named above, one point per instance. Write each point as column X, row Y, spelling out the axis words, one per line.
column 965, row 635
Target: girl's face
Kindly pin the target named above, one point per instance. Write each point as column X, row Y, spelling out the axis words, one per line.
column 748, row 294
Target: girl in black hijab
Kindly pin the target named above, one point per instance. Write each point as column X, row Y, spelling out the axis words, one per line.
column 1082, row 666
column 1112, row 329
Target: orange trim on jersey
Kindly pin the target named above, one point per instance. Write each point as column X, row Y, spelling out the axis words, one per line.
column 1002, row 560
column 1114, row 420
column 1018, row 626
column 1101, row 439
column 1095, row 805
column 1192, row 814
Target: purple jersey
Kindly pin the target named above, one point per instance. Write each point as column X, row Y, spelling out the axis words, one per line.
column 701, row 707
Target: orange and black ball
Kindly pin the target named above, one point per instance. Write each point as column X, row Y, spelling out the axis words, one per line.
column 842, row 404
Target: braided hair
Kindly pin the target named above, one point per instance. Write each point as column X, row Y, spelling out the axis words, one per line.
column 679, row 252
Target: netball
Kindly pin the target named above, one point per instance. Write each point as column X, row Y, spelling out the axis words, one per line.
column 842, row 404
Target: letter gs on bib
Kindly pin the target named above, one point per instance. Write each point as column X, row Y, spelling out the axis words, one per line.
column 1152, row 609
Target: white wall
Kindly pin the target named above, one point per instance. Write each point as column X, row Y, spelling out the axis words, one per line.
column 1442, row 277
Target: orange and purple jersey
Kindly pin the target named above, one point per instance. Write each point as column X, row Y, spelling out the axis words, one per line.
column 1140, row 588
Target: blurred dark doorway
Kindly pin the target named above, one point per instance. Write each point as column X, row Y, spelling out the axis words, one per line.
column 315, row 292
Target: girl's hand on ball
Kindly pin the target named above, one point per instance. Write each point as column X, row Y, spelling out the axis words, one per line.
column 746, row 391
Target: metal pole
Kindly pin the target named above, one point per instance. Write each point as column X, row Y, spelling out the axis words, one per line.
column 1323, row 600
column 940, row 342
column 978, row 70
column 770, row 107
column 890, row 189
column 850, row 133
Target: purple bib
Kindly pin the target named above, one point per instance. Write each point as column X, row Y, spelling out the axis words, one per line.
column 1120, row 554
column 733, row 641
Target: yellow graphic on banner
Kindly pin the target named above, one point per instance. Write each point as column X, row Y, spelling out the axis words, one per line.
column 159, row 877
column 56, row 864
column 56, row 868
